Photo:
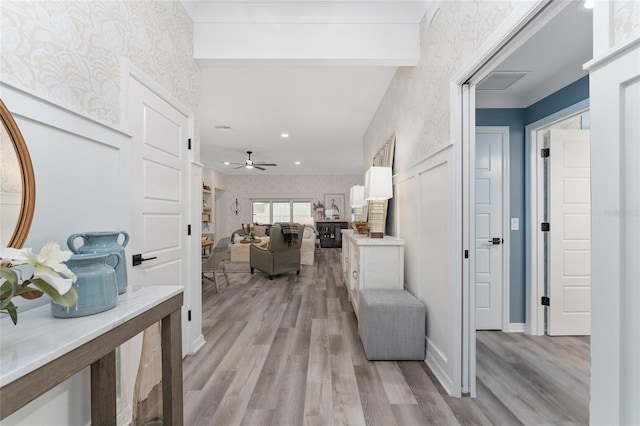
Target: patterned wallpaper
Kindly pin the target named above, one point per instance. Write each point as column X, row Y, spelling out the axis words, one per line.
column 284, row 186
column 10, row 175
column 416, row 105
column 626, row 15
column 70, row 51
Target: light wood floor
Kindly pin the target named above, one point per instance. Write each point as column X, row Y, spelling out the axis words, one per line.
column 287, row 352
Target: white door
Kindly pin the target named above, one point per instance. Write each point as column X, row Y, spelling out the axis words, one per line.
column 570, row 233
column 489, row 224
column 160, row 192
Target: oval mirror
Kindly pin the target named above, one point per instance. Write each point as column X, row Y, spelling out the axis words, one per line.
column 17, row 183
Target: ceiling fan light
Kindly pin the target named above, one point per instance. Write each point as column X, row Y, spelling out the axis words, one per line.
column 249, row 166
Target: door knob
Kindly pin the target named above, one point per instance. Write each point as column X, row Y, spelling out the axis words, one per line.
column 496, row 240
column 138, row 259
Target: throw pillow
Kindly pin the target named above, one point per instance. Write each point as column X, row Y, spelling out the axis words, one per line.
column 308, row 232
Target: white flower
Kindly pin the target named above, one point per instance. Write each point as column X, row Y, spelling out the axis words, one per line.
column 48, row 264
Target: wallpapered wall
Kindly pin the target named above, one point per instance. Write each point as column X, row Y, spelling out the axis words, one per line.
column 70, row 51
column 288, row 187
column 626, row 20
column 416, row 104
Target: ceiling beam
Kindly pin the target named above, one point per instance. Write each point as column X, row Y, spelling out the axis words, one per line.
column 309, row 44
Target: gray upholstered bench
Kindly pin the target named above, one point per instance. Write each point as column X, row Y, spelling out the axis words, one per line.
column 391, row 325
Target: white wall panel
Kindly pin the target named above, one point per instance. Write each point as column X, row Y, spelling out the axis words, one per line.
column 81, row 174
column 435, row 249
column 408, row 215
column 630, row 216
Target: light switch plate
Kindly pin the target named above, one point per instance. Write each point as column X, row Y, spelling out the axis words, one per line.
column 515, row 223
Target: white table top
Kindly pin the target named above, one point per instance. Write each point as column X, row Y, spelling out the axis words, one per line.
column 365, row 240
column 40, row 338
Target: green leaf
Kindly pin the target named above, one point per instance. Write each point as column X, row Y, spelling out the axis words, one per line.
column 8, row 288
column 68, row 299
column 12, row 310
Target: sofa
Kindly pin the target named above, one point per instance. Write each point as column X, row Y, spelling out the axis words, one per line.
column 240, row 252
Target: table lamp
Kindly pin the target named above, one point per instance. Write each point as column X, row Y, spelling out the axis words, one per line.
column 357, row 201
column 378, row 187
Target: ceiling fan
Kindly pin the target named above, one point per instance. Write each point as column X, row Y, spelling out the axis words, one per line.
column 250, row 164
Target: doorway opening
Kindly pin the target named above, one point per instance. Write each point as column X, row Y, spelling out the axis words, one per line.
column 491, row 65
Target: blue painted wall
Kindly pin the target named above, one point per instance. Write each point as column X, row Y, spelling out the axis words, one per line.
column 517, row 119
column 563, row 98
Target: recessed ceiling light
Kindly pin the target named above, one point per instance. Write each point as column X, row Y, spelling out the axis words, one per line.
column 227, row 163
column 297, row 163
column 588, row 4
column 223, row 128
column 284, row 135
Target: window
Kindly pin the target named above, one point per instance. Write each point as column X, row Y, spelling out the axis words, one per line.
column 271, row 211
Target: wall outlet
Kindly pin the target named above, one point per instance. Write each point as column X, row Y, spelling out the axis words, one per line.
column 515, row 223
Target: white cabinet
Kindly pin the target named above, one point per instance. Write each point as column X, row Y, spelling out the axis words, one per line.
column 371, row 263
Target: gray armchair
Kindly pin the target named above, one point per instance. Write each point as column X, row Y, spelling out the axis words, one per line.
column 279, row 257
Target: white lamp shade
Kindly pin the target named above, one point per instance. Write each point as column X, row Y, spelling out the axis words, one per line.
column 378, row 184
column 357, row 196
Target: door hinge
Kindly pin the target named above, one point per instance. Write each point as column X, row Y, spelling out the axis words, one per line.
column 545, row 152
column 545, row 301
column 188, row 229
column 466, row 254
column 189, row 315
column 545, row 227
column 189, row 143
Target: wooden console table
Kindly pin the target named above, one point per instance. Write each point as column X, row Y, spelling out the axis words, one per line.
column 42, row 351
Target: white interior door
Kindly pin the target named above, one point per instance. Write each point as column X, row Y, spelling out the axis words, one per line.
column 570, row 234
column 160, row 191
column 489, row 225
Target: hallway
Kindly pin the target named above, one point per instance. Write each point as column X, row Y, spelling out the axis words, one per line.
column 287, row 352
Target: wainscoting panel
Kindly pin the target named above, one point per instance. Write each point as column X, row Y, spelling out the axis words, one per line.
column 81, row 169
column 424, row 206
column 407, row 222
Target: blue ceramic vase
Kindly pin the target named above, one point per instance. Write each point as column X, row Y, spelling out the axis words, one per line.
column 96, row 285
column 104, row 242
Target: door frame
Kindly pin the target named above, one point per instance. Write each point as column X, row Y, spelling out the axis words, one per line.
column 534, row 196
column 506, row 221
column 521, row 25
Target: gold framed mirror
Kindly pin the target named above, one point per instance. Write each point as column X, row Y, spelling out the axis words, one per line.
column 17, row 183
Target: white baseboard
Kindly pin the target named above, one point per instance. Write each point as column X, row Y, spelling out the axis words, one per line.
column 125, row 417
column 436, row 362
column 197, row 344
column 515, row 327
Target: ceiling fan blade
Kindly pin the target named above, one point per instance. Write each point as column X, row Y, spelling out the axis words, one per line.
column 236, row 164
column 239, row 167
column 258, row 167
column 264, row 164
